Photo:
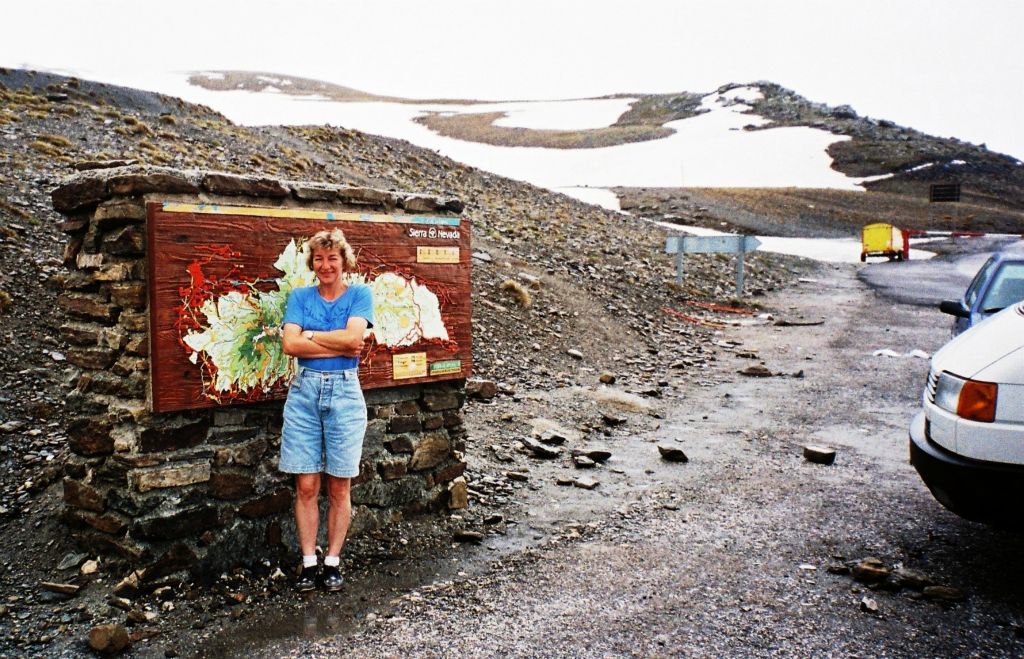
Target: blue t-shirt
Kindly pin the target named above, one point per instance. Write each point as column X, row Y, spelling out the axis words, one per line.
column 309, row 311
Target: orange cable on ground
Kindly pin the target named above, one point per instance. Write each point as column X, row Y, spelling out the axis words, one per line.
column 693, row 319
column 718, row 307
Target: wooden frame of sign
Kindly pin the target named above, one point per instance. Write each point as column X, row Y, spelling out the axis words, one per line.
column 218, row 280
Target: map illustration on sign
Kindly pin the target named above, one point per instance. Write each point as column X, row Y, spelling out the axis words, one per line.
column 404, row 311
column 220, row 279
column 236, row 335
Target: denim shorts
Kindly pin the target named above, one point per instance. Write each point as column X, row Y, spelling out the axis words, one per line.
column 324, row 424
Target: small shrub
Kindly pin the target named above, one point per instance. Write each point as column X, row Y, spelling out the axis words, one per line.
column 168, row 119
column 55, row 140
column 32, row 100
column 14, row 211
column 46, row 148
column 5, row 301
column 518, row 292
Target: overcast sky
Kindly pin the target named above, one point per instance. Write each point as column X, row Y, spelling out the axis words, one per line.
column 950, row 68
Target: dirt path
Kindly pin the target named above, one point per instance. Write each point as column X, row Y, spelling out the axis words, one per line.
column 729, row 554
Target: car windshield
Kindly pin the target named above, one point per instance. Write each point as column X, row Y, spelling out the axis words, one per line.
column 972, row 291
column 1007, row 287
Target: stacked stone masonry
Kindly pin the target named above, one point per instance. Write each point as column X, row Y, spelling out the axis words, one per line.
column 200, row 490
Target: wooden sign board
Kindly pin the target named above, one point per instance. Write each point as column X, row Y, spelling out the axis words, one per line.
column 219, row 278
column 944, row 192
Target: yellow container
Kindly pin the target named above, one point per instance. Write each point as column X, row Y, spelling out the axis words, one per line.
column 883, row 240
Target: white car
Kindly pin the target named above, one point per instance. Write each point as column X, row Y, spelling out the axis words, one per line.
column 968, row 441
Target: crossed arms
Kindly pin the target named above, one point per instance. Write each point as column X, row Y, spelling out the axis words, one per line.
column 347, row 342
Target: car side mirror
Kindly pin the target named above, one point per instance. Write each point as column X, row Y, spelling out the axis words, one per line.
column 954, row 308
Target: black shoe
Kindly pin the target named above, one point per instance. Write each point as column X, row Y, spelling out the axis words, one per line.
column 331, row 578
column 307, row 579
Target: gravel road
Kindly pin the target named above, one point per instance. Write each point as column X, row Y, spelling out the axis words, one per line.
column 746, row 549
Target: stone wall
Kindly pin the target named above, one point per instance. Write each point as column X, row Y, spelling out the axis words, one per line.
column 199, row 490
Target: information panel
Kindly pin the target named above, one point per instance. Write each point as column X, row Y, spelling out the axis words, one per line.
column 219, row 277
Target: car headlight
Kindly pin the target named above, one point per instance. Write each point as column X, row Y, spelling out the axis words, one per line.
column 969, row 399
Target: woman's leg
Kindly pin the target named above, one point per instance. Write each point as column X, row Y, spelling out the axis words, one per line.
column 339, row 514
column 307, row 512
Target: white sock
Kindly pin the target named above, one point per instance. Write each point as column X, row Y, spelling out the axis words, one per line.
column 332, row 561
column 309, row 561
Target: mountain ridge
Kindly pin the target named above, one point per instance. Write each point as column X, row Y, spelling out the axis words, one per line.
column 904, row 160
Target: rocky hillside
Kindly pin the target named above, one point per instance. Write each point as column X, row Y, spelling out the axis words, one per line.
column 913, row 159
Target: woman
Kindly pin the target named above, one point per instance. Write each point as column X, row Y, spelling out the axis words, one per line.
column 325, row 414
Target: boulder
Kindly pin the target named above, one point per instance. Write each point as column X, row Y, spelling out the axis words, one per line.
column 819, row 454
column 481, row 389
column 844, row 112
column 540, row 450
column 458, row 494
column 672, row 454
column 870, row 570
column 597, row 455
column 109, row 639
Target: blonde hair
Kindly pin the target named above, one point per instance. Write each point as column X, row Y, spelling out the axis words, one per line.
column 331, row 239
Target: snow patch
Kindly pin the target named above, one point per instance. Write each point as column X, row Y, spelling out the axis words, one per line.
column 596, row 196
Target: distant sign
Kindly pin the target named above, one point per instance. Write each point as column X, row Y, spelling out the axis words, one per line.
column 711, row 244
column 729, row 244
column 944, row 192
